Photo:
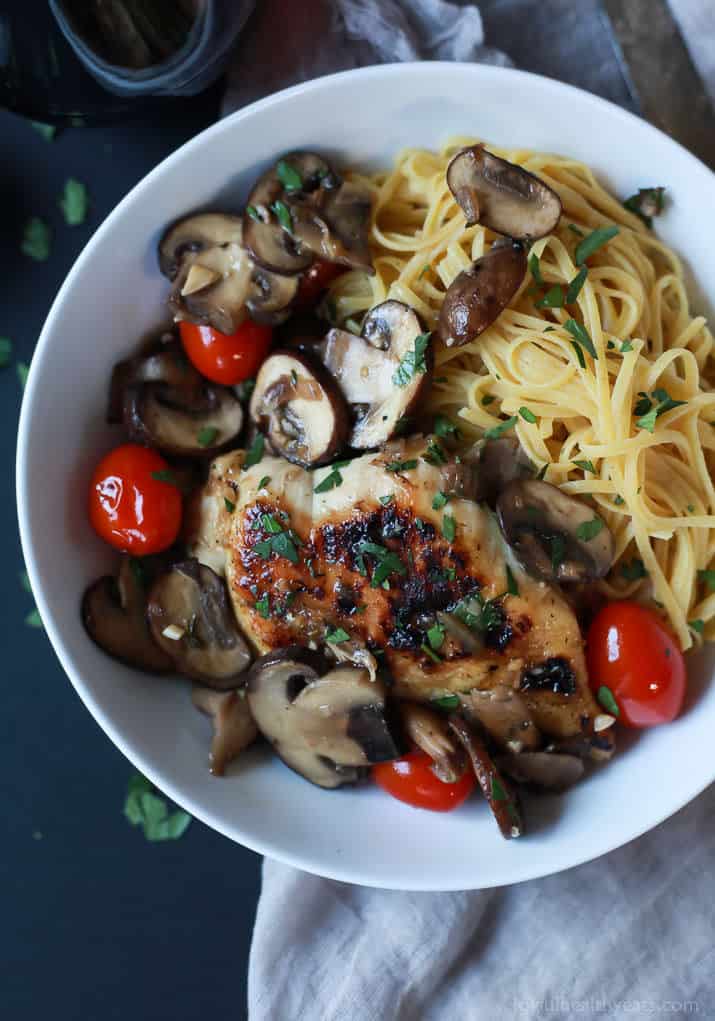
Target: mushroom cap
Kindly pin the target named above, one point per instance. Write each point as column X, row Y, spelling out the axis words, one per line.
column 187, row 421
column 234, row 727
column 501, row 798
column 501, row 195
column 193, row 234
column 549, row 770
column 478, row 295
column 192, row 621
column 300, row 408
column 544, row 525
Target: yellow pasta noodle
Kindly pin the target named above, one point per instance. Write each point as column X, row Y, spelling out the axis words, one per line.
column 654, row 489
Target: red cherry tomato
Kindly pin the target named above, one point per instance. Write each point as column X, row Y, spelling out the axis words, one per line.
column 632, row 653
column 411, row 779
column 129, row 506
column 314, row 281
column 226, row 358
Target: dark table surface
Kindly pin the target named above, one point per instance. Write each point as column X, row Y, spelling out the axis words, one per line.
column 97, row 923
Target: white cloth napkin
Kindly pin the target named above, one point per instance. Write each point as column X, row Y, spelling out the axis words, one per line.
column 628, row 935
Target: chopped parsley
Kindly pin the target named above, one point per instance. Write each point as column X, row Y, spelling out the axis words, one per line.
column 586, row 466
column 535, row 268
column 444, row 427
column 387, row 563
column 423, row 270
column 634, row 569
column 439, row 500
column 74, row 202
column 263, row 606
column 574, row 288
column 255, row 454
column 619, row 501
column 413, row 362
column 283, row 215
column 281, row 541
column 498, row 792
column 245, row 389
column 288, row 176
column 401, row 466
column 434, row 454
column 36, row 240
column 206, row 436
column 697, row 625
column 5, row 352
column 708, row 578
column 144, row 806
column 229, row 505
column 606, row 699
column 33, row 619
column 23, row 370
column 581, row 335
column 487, row 400
column 435, row 636
column 576, row 230
column 588, row 530
column 449, row 527
column 579, row 354
column 446, row 702
column 264, row 482
column 336, row 635
column 499, row 430
column 386, row 499
column 542, row 471
column 648, row 411
column 253, row 213
column 511, row 584
column 430, row 653
column 48, row 131
column 646, row 203
column 595, row 240
column 333, row 479
column 165, row 475
column 626, row 346
column 554, row 298
column 527, row 415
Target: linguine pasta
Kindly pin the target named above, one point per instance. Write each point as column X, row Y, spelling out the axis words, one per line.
column 651, row 481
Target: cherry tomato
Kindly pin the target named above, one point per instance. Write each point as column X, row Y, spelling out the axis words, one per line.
column 411, row 779
column 129, row 506
column 314, row 281
column 226, row 358
column 632, row 653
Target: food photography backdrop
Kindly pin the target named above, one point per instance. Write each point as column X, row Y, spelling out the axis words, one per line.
column 99, row 918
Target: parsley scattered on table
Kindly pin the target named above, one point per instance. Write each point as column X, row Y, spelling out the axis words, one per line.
column 697, row 625
column 146, row 807
column 33, row 619
column 23, row 370
column 74, row 202
column 444, row 427
column 36, row 239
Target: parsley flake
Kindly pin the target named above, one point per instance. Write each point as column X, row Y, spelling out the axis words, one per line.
column 229, row 505
column 449, row 527
column 255, row 454
column 144, row 806
column 446, row 702
column 595, row 240
column 283, row 215
column 588, row 530
column 439, row 500
column 626, row 346
column 697, row 625
column 499, row 430
column 5, row 351
column 430, row 653
column 74, row 202
column 264, row 482
column 288, row 176
column 36, row 240
column 511, row 583
column 527, row 415
column 336, row 635
column 263, row 606
column 401, row 466
column 253, row 213
column 606, row 699
column 206, row 436
column 708, row 578
column 165, row 475
column 586, row 466
column 574, row 288
column 413, row 362
column 646, row 203
column 535, row 268
column 487, row 400
column 386, row 499
column 435, row 636
column 581, row 335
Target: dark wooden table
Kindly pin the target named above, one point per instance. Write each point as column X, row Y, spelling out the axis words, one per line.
column 96, row 923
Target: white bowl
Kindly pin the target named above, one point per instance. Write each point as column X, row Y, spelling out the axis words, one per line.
column 115, row 292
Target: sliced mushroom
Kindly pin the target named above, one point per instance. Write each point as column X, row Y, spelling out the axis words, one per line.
column 219, row 285
column 501, row 195
column 326, row 726
column 193, row 234
column 478, row 295
column 198, row 421
column 597, row 747
column 114, row 615
column 552, row 771
column 191, row 619
column 384, row 372
column 485, row 469
column 166, row 363
column 501, row 797
column 300, row 409
column 234, row 727
column 300, row 209
column 555, row 536
column 504, row 715
column 431, row 732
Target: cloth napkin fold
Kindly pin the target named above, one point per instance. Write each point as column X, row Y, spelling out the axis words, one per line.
column 628, row 935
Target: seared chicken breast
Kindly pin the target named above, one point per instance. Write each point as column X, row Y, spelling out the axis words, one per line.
column 374, row 555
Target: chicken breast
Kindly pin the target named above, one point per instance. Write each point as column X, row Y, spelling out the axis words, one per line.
column 368, row 559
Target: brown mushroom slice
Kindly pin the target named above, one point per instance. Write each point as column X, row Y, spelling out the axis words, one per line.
column 300, row 409
column 181, row 420
column 478, row 295
column 501, row 195
column 501, row 797
column 233, row 725
column 329, row 727
column 221, row 300
column 337, row 228
column 384, row 372
column 271, row 245
column 504, row 715
column 193, row 234
column 431, row 732
column 191, row 619
column 549, row 770
column 114, row 616
column 271, row 296
column 555, row 536
column 596, row 747
column 166, row 364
